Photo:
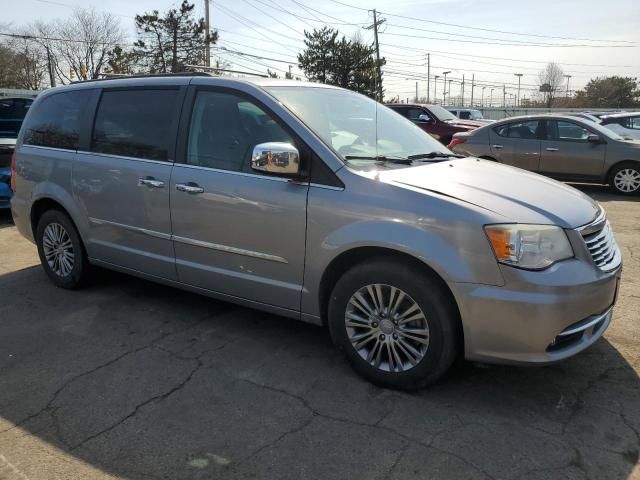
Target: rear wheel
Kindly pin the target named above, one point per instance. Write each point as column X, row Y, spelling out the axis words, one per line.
column 60, row 249
column 625, row 178
column 397, row 326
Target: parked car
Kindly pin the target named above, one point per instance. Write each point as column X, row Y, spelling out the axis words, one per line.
column 408, row 253
column 12, row 113
column 435, row 120
column 584, row 116
column 627, row 125
column 469, row 114
column 559, row 146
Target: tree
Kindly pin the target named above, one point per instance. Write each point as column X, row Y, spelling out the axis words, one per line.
column 22, row 65
column 342, row 62
column 550, row 82
column 169, row 43
column 317, row 61
column 82, row 43
column 121, row 62
column 617, row 92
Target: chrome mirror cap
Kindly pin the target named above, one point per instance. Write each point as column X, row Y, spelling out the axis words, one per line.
column 277, row 158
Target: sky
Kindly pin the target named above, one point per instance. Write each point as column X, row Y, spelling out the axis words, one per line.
column 491, row 40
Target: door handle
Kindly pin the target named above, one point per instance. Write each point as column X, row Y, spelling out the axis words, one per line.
column 497, row 147
column 189, row 188
column 550, row 149
column 150, row 182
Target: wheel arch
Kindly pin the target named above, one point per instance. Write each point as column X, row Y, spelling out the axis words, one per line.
column 619, row 163
column 354, row 256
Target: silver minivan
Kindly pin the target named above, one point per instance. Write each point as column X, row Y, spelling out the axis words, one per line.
column 319, row 204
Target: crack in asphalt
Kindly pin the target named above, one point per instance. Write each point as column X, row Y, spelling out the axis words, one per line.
column 150, row 344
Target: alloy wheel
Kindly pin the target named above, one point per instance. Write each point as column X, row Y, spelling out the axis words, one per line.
column 627, row 180
column 58, row 249
column 387, row 328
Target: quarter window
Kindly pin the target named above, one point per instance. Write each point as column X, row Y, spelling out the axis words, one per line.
column 55, row 122
column 224, row 130
column 135, row 123
column 526, row 130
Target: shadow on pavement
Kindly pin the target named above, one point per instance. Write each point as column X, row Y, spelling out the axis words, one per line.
column 144, row 381
column 5, row 218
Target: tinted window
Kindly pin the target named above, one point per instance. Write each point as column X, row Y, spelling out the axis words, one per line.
column 527, row 130
column 562, row 130
column 12, row 113
column 465, row 115
column 225, row 128
column 414, row 113
column 55, row 122
column 632, row 122
column 135, row 123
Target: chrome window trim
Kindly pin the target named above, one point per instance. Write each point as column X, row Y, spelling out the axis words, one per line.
column 243, row 174
column 122, row 157
column 190, row 241
column 326, row 187
column 42, row 147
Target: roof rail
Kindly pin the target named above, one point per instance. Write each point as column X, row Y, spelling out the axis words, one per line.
column 113, row 76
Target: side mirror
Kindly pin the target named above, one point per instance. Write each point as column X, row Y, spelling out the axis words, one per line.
column 593, row 138
column 423, row 117
column 277, row 158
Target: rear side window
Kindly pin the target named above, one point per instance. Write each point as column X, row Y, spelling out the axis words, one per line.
column 135, row 123
column 632, row 122
column 527, row 130
column 55, row 122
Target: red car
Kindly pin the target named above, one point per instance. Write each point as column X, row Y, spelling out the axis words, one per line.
column 435, row 120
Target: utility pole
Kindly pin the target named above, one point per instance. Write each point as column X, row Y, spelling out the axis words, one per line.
column 519, row 75
column 435, row 88
column 473, row 85
column 504, row 96
column 207, row 38
column 428, row 75
column 482, row 98
column 416, row 91
column 449, row 93
column 52, row 77
column 491, row 98
column 567, row 77
column 462, row 92
column 376, row 24
column 444, row 87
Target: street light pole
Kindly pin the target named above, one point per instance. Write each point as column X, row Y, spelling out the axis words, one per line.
column 519, row 75
column 207, row 38
column 482, row 98
column 428, row 75
column 504, row 96
column 444, row 91
column 449, row 93
column 567, row 77
column 491, row 98
column 435, row 88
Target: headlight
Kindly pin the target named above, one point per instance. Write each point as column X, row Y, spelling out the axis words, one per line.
column 532, row 247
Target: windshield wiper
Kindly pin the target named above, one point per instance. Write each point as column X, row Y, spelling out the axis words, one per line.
column 380, row 158
column 422, row 156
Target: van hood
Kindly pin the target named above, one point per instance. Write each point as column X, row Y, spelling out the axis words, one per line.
column 517, row 195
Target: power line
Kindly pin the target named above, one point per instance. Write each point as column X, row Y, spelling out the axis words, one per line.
column 558, row 37
column 403, row 47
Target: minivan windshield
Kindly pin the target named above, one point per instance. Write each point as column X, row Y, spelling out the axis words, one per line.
column 356, row 127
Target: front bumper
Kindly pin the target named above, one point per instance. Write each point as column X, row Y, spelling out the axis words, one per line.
column 537, row 317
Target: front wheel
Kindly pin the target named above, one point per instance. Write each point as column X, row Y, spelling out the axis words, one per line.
column 625, row 178
column 398, row 326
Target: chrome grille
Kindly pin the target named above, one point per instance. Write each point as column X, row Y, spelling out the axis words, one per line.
column 602, row 246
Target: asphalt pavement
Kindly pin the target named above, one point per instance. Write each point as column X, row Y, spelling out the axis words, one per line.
column 129, row 379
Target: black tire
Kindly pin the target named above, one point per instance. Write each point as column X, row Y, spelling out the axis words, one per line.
column 632, row 166
column 80, row 269
column 428, row 293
